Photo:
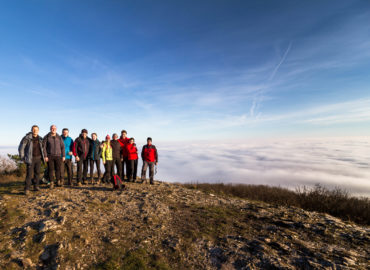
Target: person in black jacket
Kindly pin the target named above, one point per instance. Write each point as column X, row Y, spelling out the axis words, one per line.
column 31, row 151
column 117, row 154
column 94, row 157
column 81, row 149
column 54, row 148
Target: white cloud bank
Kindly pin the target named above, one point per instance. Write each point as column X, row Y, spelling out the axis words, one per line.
column 342, row 162
column 290, row 163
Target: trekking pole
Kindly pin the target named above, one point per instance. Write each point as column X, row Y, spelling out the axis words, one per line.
column 155, row 170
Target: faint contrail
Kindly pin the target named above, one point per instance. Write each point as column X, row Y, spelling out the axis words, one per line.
column 281, row 62
column 253, row 107
column 257, row 99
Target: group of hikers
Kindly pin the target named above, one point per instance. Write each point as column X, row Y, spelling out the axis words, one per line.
column 57, row 151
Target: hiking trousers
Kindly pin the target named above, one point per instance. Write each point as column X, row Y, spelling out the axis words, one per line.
column 67, row 166
column 54, row 165
column 132, row 170
column 33, row 172
column 125, row 163
column 108, row 171
column 82, row 163
column 97, row 163
column 118, row 163
column 147, row 164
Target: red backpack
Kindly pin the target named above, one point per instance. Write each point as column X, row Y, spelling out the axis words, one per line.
column 117, row 182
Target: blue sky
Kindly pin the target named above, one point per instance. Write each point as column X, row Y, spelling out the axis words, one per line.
column 186, row 70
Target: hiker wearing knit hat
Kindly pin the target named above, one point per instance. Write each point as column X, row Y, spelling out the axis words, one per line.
column 81, row 149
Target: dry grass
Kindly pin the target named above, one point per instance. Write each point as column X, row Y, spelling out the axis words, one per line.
column 336, row 202
column 131, row 260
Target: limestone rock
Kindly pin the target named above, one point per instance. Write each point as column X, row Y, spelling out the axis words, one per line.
column 78, row 228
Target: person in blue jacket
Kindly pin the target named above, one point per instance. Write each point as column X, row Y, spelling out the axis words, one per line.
column 68, row 144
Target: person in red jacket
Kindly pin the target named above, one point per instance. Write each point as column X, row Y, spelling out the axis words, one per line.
column 149, row 154
column 123, row 141
column 132, row 160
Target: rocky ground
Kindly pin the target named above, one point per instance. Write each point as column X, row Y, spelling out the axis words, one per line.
column 167, row 226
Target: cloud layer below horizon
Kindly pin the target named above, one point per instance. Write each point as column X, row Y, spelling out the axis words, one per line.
column 343, row 163
column 332, row 162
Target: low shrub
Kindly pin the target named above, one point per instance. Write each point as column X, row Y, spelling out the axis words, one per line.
column 336, row 202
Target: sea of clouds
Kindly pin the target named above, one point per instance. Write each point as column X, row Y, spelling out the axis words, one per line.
column 332, row 162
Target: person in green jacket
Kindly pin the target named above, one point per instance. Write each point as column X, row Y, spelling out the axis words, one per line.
column 107, row 156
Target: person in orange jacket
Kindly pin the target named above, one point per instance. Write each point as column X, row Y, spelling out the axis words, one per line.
column 132, row 158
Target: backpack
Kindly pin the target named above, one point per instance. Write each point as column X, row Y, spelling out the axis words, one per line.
column 117, row 183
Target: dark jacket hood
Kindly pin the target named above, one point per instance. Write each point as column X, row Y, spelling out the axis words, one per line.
column 30, row 136
column 49, row 134
column 82, row 137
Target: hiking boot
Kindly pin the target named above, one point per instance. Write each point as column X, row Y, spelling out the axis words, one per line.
column 36, row 188
column 26, row 192
column 59, row 183
column 79, row 184
column 51, row 185
column 152, row 182
column 98, row 182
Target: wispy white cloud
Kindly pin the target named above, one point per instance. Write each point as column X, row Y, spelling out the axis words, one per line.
column 342, row 112
column 211, row 97
column 47, row 93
